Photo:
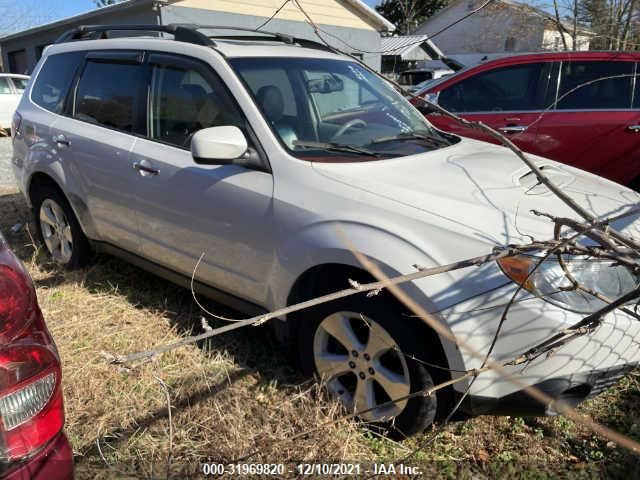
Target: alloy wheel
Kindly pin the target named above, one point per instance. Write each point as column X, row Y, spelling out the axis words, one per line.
column 56, row 231
column 362, row 365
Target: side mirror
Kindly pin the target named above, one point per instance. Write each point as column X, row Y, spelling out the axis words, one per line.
column 218, row 145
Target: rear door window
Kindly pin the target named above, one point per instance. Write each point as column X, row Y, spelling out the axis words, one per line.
column 595, row 85
column 109, row 93
column 54, row 80
column 516, row 88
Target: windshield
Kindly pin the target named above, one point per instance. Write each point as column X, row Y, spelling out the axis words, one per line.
column 322, row 109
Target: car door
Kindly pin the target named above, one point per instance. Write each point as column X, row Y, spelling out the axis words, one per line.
column 186, row 210
column 508, row 98
column 95, row 137
column 596, row 123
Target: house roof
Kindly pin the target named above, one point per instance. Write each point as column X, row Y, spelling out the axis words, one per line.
column 372, row 15
column 92, row 16
column 407, row 47
column 525, row 8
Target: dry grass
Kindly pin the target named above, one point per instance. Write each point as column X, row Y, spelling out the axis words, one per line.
column 238, row 394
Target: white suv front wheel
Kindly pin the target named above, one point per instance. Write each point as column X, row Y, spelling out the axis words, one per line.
column 368, row 355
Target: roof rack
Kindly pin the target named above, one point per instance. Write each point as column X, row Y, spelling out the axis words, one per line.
column 186, row 32
column 275, row 35
column 181, row 33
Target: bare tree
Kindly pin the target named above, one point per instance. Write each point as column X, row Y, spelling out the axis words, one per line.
column 407, row 15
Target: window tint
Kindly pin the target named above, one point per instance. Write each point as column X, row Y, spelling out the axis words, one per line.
column 20, row 83
column 54, row 80
column 596, row 94
column 183, row 101
column 4, row 85
column 108, row 94
column 514, row 88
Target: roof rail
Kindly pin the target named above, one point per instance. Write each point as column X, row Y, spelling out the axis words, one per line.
column 278, row 36
column 181, row 32
column 283, row 37
column 186, row 32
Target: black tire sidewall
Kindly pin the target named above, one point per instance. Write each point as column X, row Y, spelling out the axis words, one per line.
column 81, row 249
column 420, row 411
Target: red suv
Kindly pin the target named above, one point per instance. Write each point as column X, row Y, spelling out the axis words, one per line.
column 536, row 100
column 32, row 444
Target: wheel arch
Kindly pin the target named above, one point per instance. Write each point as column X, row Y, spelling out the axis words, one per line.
column 40, row 179
column 319, row 251
column 320, row 279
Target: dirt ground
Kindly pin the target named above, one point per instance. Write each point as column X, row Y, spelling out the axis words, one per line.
column 238, row 398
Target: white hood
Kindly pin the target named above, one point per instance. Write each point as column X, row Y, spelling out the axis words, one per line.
column 486, row 190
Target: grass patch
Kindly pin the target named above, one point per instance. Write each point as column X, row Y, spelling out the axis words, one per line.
column 237, row 394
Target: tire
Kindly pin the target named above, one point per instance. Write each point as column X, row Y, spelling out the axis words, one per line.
column 320, row 351
column 56, row 224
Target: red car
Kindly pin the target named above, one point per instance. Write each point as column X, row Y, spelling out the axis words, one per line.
column 32, row 443
column 536, row 100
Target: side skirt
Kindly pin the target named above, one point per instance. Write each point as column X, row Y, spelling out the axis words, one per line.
column 227, row 299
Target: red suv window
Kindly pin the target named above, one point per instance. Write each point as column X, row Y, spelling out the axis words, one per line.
column 595, row 85
column 513, row 88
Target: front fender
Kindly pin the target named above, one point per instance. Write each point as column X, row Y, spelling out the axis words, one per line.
column 329, row 243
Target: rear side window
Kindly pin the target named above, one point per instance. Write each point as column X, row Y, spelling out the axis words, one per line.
column 54, row 80
column 595, row 85
column 108, row 94
column 4, row 85
column 19, row 83
column 514, row 88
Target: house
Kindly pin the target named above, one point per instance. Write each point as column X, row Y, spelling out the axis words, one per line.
column 502, row 26
column 350, row 25
column 402, row 52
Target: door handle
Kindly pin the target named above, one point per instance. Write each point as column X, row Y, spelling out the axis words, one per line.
column 145, row 169
column 60, row 139
column 513, row 129
column 634, row 128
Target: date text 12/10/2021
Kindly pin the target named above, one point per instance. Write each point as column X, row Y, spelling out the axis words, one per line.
column 308, row 469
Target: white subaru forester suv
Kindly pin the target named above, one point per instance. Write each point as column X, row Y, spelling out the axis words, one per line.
column 265, row 154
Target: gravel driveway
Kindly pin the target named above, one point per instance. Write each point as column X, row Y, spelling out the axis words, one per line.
column 6, row 172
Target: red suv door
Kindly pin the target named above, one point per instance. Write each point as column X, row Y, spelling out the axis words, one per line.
column 595, row 125
column 508, row 98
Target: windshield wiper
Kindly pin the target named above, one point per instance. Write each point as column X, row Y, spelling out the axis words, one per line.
column 337, row 147
column 412, row 136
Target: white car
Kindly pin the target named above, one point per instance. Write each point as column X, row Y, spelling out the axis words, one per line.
column 11, row 88
column 266, row 153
